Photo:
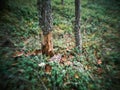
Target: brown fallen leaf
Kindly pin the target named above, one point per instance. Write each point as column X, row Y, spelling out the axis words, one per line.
column 63, row 58
column 28, row 54
column 76, row 75
column 36, row 52
column 99, row 61
column 71, row 57
column 68, row 63
column 48, row 69
column 18, row 54
column 87, row 67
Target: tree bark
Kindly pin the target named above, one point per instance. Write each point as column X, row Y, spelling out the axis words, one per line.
column 78, row 36
column 45, row 21
column 47, row 45
column 3, row 4
column 62, row 2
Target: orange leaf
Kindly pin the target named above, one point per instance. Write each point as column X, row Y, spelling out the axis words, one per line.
column 48, row 68
column 99, row 61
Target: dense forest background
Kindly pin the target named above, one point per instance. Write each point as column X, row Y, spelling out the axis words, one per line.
column 22, row 65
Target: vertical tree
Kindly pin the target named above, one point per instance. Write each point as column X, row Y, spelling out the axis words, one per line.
column 78, row 36
column 3, row 4
column 45, row 22
column 62, row 2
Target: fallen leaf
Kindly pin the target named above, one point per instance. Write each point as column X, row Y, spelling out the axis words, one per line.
column 71, row 56
column 87, row 67
column 36, row 52
column 76, row 75
column 48, row 69
column 28, row 54
column 63, row 58
column 68, row 63
column 99, row 61
column 18, row 54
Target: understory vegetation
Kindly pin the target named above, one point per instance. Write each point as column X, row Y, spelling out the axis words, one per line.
column 22, row 65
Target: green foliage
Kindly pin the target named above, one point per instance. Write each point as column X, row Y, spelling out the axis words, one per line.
column 100, row 33
column 20, row 19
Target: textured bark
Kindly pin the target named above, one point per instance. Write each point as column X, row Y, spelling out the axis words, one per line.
column 45, row 17
column 47, row 45
column 3, row 4
column 78, row 36
column 62, row 2
column 45, row 22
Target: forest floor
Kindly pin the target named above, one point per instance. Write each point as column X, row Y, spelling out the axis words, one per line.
column 23, row 67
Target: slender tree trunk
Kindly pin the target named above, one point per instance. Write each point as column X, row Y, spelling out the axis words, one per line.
column 78, row 36
column 62, row 2
column 3, row 4
column 45, row 21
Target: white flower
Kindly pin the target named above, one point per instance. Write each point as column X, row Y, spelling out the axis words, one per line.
column 63, row 71
column 41, row 64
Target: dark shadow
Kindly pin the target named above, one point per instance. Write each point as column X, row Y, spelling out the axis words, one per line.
column 110, row 44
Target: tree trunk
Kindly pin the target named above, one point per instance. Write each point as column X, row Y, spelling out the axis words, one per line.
column 3, row 4
column 62, row 2
column 47, row 45
column 78, row 36
column 45, row 21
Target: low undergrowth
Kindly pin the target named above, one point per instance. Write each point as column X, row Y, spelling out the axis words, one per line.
column 23, row 67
